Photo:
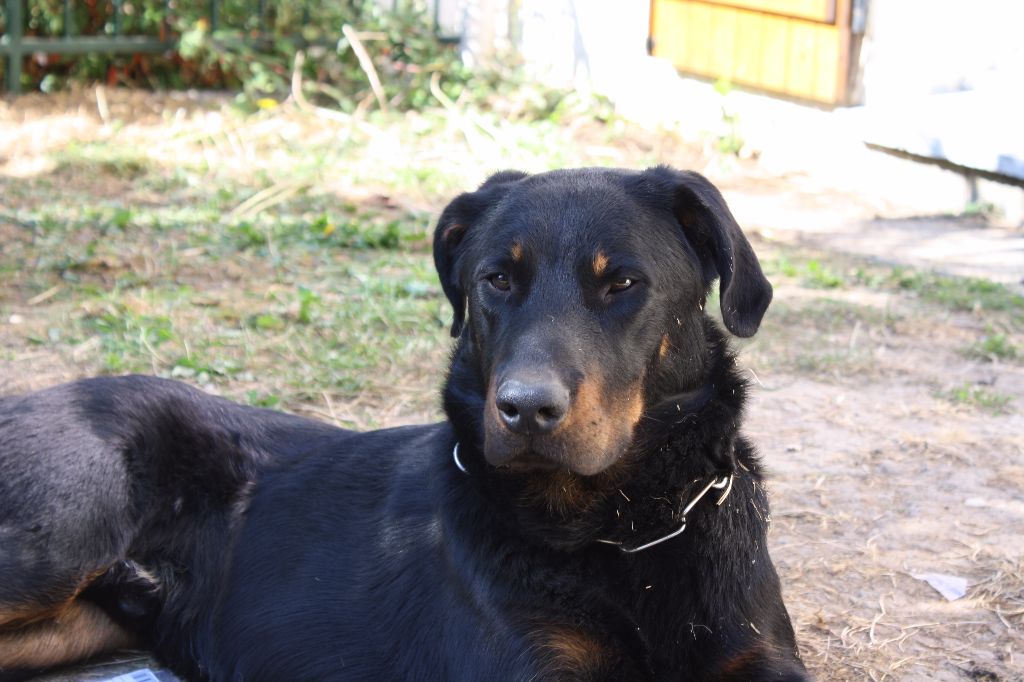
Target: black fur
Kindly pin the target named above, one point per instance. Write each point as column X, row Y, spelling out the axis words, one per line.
column 245, row 544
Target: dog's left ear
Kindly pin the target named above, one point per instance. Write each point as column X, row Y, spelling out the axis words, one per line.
column 456, row 221
column 723, row 251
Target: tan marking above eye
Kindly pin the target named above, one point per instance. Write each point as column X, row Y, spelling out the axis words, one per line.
column 600, row 263
column 664, row 347
column 517, row 252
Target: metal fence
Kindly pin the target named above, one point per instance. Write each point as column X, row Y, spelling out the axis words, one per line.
column 14, row 45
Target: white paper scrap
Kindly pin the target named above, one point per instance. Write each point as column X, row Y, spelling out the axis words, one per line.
column 952, row 587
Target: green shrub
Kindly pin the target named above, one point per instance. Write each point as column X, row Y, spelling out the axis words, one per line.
column 240, row 50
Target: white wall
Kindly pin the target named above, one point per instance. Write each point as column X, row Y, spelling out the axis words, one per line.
column 566, row 43
column 921, row 47
column 580, row 42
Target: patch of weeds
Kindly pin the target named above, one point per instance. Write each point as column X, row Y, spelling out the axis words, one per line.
column 840, row 330
column 957, row 293
column 202, row 371
column 981, row 209
column 268, row 322
column 977, row 397
column 812, row 273
column 781, row 266
column 121, row 218
column 820, row 276
column 258, row 399
column 89, row 160
column 126, row 336
column 729, row 140
column 828, row 315
column 993, row 346
column 363, row 231
column 309, row 303
column 869, row 277
column 818, row 363
column 246, row 235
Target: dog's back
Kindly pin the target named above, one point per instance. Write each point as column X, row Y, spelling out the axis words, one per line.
column 118, row 497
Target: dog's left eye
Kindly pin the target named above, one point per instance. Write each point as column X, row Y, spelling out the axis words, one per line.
column 620, row 284
column 499, row 281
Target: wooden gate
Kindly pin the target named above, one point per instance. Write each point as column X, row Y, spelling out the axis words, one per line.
column 799, row 48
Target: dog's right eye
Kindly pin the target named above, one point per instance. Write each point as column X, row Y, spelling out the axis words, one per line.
column 499, row 281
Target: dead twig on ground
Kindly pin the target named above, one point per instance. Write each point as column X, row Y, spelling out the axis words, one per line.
column 300, row 100
column 366, row 64
column 102, row 106
column 265, row 198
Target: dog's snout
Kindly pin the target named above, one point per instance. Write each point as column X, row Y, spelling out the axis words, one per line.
column 534, row 407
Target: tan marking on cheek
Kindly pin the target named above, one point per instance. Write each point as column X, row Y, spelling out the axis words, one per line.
column 598, row 423
column 664, row 347
column 600, row 427
column 587, row 407
column 79, row 631
column 634, row 407
column 517, row 252
column 600, row 263
column 568, row 650
column 587, row 426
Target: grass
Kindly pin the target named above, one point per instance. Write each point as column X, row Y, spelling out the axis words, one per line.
column 810, row 272
column 820, row 336
column 993, row 347
column 284, row 260
column 277, row 258
column 978, row 397
column 960, row 294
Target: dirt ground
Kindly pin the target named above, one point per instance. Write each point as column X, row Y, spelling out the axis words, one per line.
column 893, row 433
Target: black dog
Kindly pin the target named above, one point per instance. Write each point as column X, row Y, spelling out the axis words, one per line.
column 589, row 511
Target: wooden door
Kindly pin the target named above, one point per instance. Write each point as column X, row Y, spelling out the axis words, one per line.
column 799, row 48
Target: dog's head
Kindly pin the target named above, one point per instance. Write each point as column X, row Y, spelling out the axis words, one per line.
column 578, row 298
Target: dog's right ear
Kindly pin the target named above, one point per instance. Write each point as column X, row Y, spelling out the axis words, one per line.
column 457, row 219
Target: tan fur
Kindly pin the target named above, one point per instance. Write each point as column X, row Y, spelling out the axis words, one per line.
column 597, row 422
column 739, row 663
column 664, row 347
column 79, row 631
column 568, row 650
column 517, row 252
column 19, row 615
column 600, row 263
column 561, row 492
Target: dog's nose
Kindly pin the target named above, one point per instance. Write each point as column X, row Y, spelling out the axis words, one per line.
column 533, row 408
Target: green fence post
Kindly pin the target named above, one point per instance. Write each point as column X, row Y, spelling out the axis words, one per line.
column 12, row 42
